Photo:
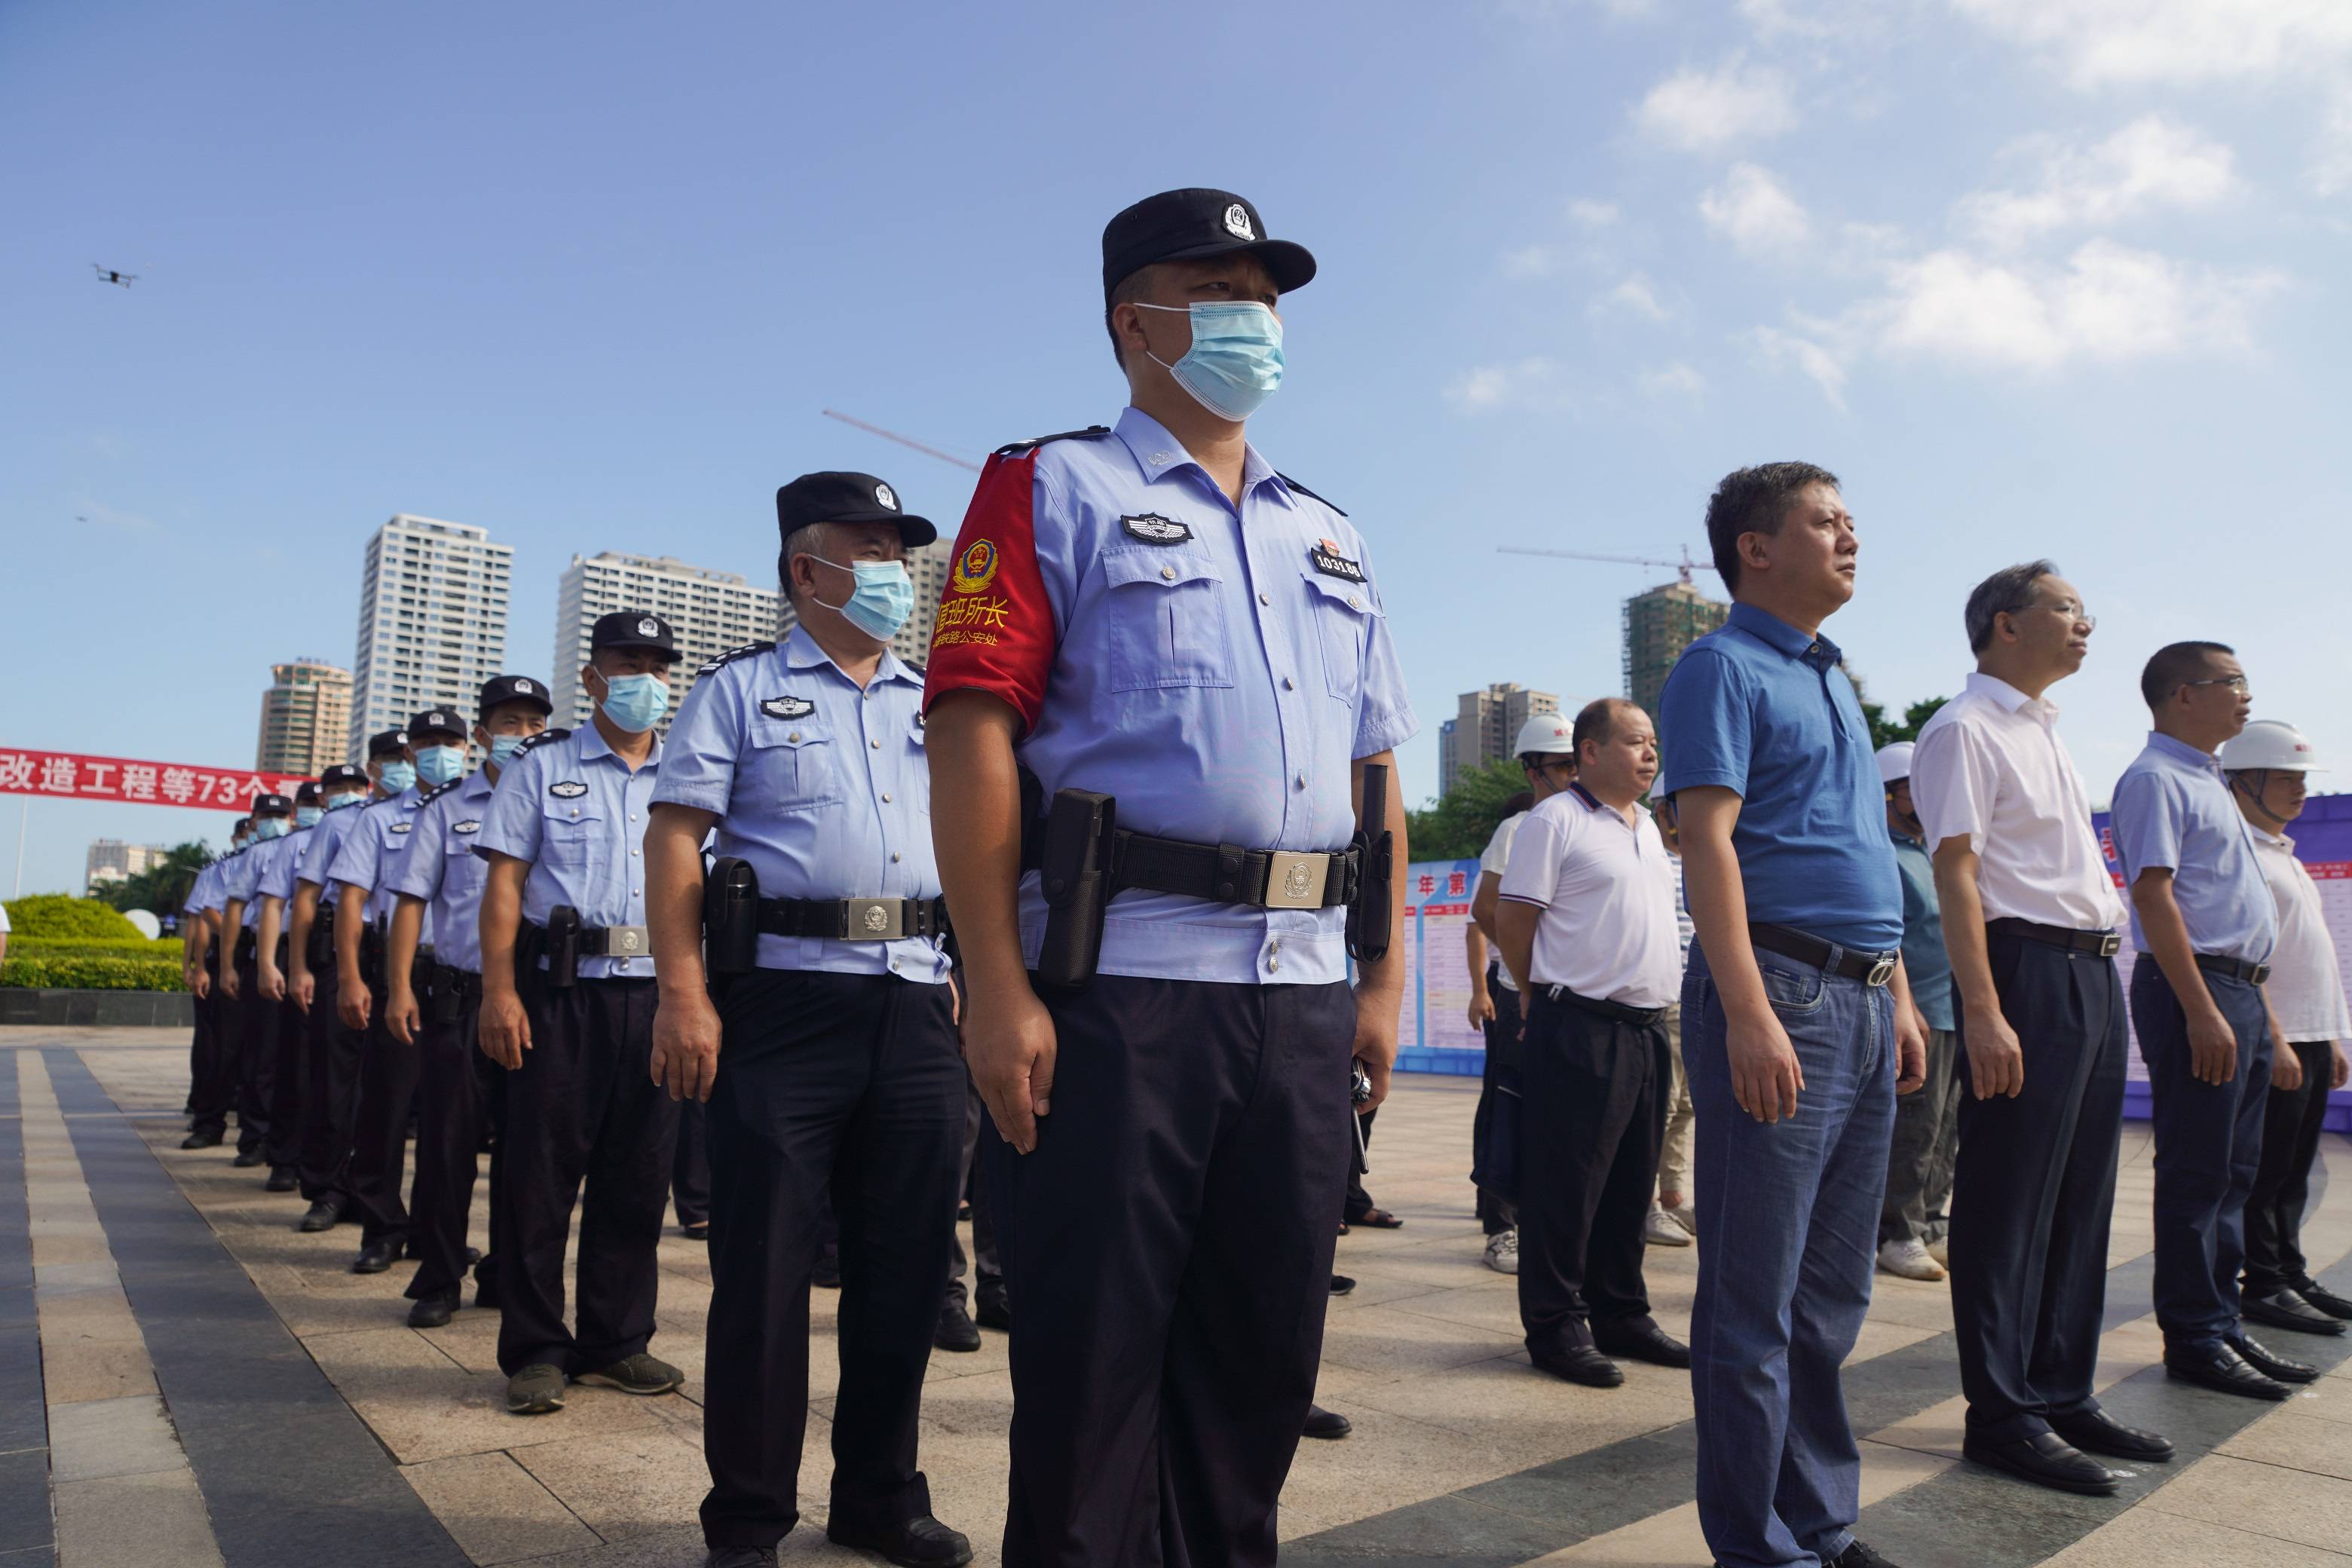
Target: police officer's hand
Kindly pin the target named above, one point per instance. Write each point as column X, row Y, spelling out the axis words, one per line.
column 2212, row 1046
column 353, row 1004
column 2286, row 1070
column 228, row 981
column 1376, row 1047
column 1766, row 1075
column 306, row 989
column 200, row 980
column 1910, row 1050
column 1009, row 1045
column 686, row 1044
column 503, row 1028
column 401, row 1015
column 270, row 983
column 1996, row 1061
column 1481, row 1009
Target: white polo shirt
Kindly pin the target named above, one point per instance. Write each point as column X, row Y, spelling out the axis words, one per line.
column 1497, row 859
column 1607, row 890
column 2306, row 983
column 1989, row 767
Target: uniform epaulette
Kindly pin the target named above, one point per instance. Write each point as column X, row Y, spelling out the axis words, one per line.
column 437, row 790
column 1091, row 432
column 544, row 737
column 749, row 650
column 1302, row 489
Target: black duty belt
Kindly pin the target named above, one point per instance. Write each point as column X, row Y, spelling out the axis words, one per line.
column 1639, row 1017
column 2233, row 968
column 615, row 941
column 1870, row 968
column 2098, row 944
column 463, row 982
column 1229, row 874
column 853, row 919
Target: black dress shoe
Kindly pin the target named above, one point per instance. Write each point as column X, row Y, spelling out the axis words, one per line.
column 246, row 1159
column 2326, row 1300
column 1641, row 1340
column 324, row 1214
column 1580, row 1364
column 2270, row 1363
column 2284, row 1310
column 827, row 1275
column 1341, row 1284
column 201, row 1140
column 1327, row 1424
column 740, row 1557
column 377, row 1255
column 473, row 1256
column 2046, row 1460
column 433, row 1310
column 282, row 1179
column 993, row 1312
column 1858, row 1555
column 956, row 1330
column 699, row 1231
column 2096, row 1432
column 2224, row 1370
column 921, row 1543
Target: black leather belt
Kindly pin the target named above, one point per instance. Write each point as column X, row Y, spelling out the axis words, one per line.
column 1870, row 968
column 2098, row 944
column 1641, row 1016
column 2233, row 968
column 616, row 942
column 462, row 982
column 853, row 919
column 1229, row 874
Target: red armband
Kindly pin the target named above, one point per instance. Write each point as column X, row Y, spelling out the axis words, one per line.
column 995, row 626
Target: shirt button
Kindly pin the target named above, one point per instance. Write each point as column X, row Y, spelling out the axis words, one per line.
column 1265, row 598
column 633, row 816
column 1167, row 573
column 1354, row 602
column 894, row 857
column 1302, row 781
column 794, row 737
column 876, row 745
column 1288, row 684
column 636, row 851
column 885, row 797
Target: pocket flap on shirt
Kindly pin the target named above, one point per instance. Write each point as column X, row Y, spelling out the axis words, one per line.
column 1345, row 596
column 1161, row 568
column 766, row 731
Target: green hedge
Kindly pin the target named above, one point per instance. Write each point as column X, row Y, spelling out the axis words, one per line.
column 167, row 947
column 81, row 972
column 57, row 915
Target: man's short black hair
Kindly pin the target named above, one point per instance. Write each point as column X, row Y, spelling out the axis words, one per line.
column 1755, row 500
column 2174, row 666
column 1595, row 721
column 2005, row 593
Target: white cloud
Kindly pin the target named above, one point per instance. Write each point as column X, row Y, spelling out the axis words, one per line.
column 1807, row 356
column 2332, row 174
column 1816, row 20
column 1531, row 261
column 1485, row 388
column 1674, row 380
column 2101, row 43
column 1705, row 111
column 1636, row 295
column 2148, row 165
column 1754, row 210
column 1586, row 212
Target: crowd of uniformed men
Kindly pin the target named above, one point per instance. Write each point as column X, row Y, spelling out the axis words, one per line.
column 1144, row 921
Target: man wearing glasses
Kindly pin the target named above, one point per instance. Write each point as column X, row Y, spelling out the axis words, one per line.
column 2205, row 924
column 2030, row 919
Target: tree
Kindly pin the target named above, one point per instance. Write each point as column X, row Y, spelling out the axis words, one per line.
column 1885, row 731
column 1457, row 826
column 162, row 888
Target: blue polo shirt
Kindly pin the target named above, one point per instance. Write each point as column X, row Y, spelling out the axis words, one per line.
column 1763, row 709
column 1924, row 963
column 2173, row 810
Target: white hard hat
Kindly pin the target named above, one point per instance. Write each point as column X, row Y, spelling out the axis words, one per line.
column 2271, row 743
column 1894, row 762
column 1548, row 733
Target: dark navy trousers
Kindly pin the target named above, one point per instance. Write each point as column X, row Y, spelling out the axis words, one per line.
column 331, row 1093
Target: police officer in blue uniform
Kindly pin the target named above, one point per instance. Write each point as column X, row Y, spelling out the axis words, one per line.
column 211, row 1058
column 831, row 1056
column 258, row 1014
column 332, row 1048
column 1153, row 614
column 273, row 972
column 568, row 1009
column 432, row 999
column 372, row 854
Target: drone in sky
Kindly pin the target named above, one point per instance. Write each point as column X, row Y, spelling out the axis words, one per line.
column 120, row 280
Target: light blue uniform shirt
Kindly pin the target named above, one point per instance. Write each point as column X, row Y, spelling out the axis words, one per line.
column 205, row 893
column 276, row 879
column 326, row 841
column 372, row 852
column 441, row 868
column 241, row 880
column 575, row 812
column 823, row 788
column 2173, row 809
column 1215, row 668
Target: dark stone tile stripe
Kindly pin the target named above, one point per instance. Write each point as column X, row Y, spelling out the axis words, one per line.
column 288, row 1472
column 28, row 1528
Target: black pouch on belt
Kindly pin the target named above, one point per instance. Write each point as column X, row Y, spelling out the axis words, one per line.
column 1075, row 875
column 562, row 947
column 442, row 1007
column 319, row 951
column 730, row 917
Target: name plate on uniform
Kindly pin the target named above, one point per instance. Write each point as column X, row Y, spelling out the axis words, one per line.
column 1153, row 528
column 567, row 789
column 1325, row 557
column 788, row 707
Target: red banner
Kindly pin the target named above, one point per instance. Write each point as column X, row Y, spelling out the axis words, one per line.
column 68, row 775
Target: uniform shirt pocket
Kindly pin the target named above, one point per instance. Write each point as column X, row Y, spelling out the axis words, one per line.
column 571, row 834
column 795, row 762
column 1165, row 619
column 1343, row 613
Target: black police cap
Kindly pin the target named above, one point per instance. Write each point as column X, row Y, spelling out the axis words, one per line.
column 343, row 773
column 306, row 796
column 1193, row 225
column 842, row 495
column 437, row 721
column 272, row 805
column 501, row 690
column 634, row 628
column 388, row 743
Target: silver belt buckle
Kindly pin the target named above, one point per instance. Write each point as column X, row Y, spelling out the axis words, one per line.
column 877, row 920
column 1295, row 882
column 1882, row 972
column 2111, row 944
column 625, row 941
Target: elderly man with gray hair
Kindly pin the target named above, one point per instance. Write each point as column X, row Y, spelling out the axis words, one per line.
column 2031, row 921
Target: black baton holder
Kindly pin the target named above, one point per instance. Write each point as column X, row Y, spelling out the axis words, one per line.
column 562, row 948
column 730, row 917
column 1076, row 876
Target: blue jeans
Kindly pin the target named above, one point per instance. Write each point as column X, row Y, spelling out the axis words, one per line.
column 1788, row 1224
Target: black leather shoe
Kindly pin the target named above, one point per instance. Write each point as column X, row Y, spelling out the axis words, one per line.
column 1341, row 1284
column 282, row 1180
column 432, row 1311
column 993, row 1312
column 1858, row 1555
column 2224, row 1370
column 377, row 1255
column 2326, row 1300
column 1327, row 1424
column 2046, row 1459
column 473, row 1256
column 2280, row 1310
column 921, row 1543
column 201, row 1140
column 246, row 1159
column 2100, row 1433
column 2270, row 1363
column 827, row 1275
column 699, row 1231
column 1580, row 1364
column 324, row 1214
column 740, row 1557
column 1641, row 1340
column 956, row 1330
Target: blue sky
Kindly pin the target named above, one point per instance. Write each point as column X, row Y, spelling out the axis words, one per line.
column 2037, row 277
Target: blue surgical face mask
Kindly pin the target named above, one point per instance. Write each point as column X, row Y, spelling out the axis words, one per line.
column 504, row 747
column 270, row 827
column 436, row 765
column 396, row 777
column 635, row 702
column 1235, row 361
column 308, row 815
column 349, row 797
column 883, row 599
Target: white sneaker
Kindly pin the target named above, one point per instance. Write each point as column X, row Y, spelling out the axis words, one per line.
column 1684, row 1214
column 1503, row 1251
column 1940, row 1249
column 1908, row 1260
column 1660, row 1229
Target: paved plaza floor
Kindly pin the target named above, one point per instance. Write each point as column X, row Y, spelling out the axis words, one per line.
column 186, row 1380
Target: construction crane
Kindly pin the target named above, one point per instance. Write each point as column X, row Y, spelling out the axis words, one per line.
column 902, row 440
column 1686, row 566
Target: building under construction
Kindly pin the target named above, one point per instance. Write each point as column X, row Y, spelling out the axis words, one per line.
column 1659, row 624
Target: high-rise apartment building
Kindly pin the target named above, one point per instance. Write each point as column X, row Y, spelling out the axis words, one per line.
column 711, row 613
column 1659, row 624
column 433, row 621
column 1483, row 725
column 112, row 860
column 306, row 718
